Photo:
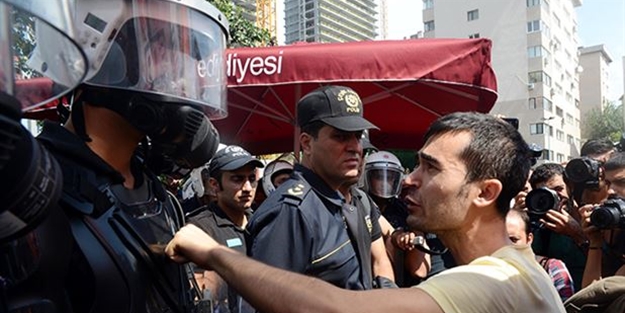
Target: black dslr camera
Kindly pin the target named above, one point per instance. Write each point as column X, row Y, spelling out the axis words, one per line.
column 584, row 171
column 609, row 215
column 541, row 200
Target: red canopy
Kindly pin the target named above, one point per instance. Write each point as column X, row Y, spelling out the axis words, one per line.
column 404, row 86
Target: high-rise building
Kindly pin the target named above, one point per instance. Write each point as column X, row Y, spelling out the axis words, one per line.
column 535, row 58
column 248, row 7
column 330, row 20
column 594, row 79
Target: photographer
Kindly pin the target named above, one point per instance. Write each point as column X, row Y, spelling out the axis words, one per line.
column 606, row 254
column 560, row 235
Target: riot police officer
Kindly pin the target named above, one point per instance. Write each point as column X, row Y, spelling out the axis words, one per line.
column 155, row 73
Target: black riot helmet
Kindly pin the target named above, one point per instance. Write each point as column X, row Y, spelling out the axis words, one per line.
column 159, row 64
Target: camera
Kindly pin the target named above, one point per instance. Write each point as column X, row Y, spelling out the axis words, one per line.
column 541, row 200
column 609, row 215
column 584, row 171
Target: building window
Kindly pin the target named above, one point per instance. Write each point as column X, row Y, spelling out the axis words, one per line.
column 547, row 155
column 474, row 36
column 428, row 26
column 569, row 119
column 560, row 158
column 428, row 4
column 533, row 26
column 532, row 3
column 532, row 103
column 473, row 15
column 559, row 135
column 559, row 111
column 536, row 129
column 570, row 139
column 539, row 76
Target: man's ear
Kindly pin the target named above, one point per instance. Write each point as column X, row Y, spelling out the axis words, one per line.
column 530, row 239
column 305, row 141
column 213, row 184
column 489, row 192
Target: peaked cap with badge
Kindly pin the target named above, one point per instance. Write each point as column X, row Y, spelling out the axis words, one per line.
column 231, row 158
column 337, row 106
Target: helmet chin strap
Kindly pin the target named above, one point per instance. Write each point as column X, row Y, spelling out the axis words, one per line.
column 78, row 119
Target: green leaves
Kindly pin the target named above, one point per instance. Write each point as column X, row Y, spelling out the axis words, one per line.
column 243, row 33
column 606, row 123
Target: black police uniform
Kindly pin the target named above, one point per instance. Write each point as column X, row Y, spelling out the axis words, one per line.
column 113, row 259
column 301, row 228
column 216, row 223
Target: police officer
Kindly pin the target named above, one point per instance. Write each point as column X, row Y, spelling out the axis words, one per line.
column 302, row 225
column 154, row 73
column 233, row 181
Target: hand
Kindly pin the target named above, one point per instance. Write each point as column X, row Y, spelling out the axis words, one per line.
column 519, row 201
column 191, row 244
column 561, row 222
column 403, row 239
column 594, row 234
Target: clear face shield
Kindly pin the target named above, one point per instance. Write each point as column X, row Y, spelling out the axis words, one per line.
column 161, row 47
column 27, row 28
column 383, row 182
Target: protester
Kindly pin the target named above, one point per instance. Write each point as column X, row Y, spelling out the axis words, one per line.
column 302, row 227
column 470, row 168
column 233, row 180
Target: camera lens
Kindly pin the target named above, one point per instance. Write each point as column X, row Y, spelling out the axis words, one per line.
column 541, row 200
column 604, row 217
column 578, row 171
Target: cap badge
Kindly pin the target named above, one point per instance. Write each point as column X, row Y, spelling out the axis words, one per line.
column 351, row 99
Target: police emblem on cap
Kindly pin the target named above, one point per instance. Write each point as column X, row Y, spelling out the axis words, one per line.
column 351, row 99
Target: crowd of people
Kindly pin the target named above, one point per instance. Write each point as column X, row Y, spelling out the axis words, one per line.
column 339, row 226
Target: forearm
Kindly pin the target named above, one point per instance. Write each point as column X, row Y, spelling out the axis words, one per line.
column 381, row 263
column 269, row 289
column 418, row 263
column 592, row 271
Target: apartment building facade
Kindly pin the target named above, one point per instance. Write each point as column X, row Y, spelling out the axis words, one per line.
column 330, row 20
column 535, row 57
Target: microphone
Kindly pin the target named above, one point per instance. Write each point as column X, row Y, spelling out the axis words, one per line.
column 419, row 243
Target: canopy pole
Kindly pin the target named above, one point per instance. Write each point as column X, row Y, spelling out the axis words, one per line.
column 296, row 149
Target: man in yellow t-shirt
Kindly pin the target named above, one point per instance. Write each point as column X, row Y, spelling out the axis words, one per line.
column 470, row 168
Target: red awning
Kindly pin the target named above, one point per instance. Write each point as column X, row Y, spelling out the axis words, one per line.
column 404, row 86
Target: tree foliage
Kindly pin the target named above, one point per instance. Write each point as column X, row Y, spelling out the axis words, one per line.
column 606, row 123
column 243, row 33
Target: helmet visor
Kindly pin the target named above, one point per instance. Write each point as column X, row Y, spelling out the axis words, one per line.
column 384, row 182
column 38, row 59
column 166, row 49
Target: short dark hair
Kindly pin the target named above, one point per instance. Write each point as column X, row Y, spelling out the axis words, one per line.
column 545, row 172
column 596, row 146
column 313, row 128
column 616, row 162
column 496, row 150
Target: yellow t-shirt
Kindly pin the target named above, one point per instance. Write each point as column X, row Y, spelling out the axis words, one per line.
column 509, row 280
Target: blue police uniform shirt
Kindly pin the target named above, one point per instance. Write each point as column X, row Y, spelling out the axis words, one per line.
column 300, row 228
column 214, row 221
